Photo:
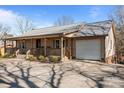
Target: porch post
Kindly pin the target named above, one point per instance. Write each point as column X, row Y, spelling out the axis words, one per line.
column 31, row 46
column 15, row 43
column 31, row 43
column 12, row 44
column 62, row 49
column 4, row 46
column 44, row 46
column 70, row 48
column 12, row 47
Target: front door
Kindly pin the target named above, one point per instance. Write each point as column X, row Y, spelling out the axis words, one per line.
column 38, row 43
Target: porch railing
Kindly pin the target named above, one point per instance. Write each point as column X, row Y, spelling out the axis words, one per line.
column 36, row 51
column 53, row 51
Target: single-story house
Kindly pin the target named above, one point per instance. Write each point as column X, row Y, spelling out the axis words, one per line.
column 92, row 41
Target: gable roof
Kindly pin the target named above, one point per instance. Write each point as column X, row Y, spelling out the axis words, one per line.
column 94, row 29
column 88, row 29
column 53, row 30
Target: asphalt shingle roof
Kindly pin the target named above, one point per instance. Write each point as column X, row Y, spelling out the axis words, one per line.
column 88, row 29
column 53, row 30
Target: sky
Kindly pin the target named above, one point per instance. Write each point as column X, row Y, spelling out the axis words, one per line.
column 43, row 16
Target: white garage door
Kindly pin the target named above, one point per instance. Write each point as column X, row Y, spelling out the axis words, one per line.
column 88, row 49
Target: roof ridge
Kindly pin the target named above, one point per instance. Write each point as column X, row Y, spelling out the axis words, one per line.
column 58, row 26
column 99, row 21
column 94, row 25
column 71, row 24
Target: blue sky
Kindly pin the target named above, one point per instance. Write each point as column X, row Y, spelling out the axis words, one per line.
column 43, row 16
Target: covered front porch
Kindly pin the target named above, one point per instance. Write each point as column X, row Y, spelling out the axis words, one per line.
column 58, row 46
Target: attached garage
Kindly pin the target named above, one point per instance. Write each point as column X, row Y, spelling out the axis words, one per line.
column 88, row 49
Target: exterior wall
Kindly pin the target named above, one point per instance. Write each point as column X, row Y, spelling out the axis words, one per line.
column 74, row 48
column 28, row 44
column 18, row 43
column 110, row 46
column 103, row 49
column 69, row 51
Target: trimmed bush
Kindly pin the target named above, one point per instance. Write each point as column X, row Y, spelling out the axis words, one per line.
column 41, row 58
column 31, row 58
column 54, row 59
column 47, row 59
column 6, row 55
column 12, row 56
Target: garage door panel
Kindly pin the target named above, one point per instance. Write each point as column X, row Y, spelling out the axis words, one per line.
column 88, row 49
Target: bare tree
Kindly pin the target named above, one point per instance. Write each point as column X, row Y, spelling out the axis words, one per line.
column 23, row 24
column 4, row 29
column 118, row 17
column 64, row 20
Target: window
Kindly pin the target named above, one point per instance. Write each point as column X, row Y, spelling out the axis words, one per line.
column 56, row 43
column 38, row 43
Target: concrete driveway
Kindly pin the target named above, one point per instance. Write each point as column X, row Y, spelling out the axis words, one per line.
column 74, row 74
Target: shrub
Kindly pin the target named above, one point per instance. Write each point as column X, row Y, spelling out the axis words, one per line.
column 6, row 55
column 54, row 59
column 41, row 58
column 9, row 55
column 12, row 56
column 31, row 58
column 46, row 59
column 121, row 62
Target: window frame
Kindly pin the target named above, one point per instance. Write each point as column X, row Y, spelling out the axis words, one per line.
column 57, row 46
